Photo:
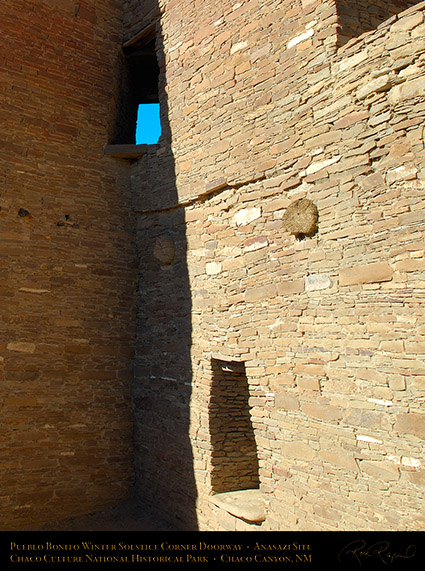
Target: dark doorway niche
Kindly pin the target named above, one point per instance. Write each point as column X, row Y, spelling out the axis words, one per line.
column 355, row 18
column 234, row 450
column 139, row 85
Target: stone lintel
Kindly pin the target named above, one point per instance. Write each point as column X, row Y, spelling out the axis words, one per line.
column 127, row 151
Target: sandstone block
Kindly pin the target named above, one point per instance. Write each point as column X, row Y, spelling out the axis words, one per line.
column 308, row 383
column 411, row 218
column 392, row 346
column 301, row 38
column 21, row 347
column 326, row 512
column 34, row 290
column 380, row 469
column 260, row 293
column 397, row 382
column 290, row 287
column 317, row 282
column 417, row 478
column 247, row 215
column 298, row 450
column 410, row 265
column 238, row 47
column 378, row 85
column 351, row 119
column 353, row 61
column 411, row 462
column 415, row 347
column 407, row 90
column 322, row 411
column 287, row 402
column 372, row 181
column 408, row 23
column 256, row 243
column 319, row 165
column 339, row 458
column 213, row 268
column 404, row 172
column 245, row 504
column 366, row 274
column 411, row 423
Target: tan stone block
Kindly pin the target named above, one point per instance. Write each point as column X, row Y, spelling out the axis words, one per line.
column 351, row 119
column 246, row 215
column 407, row 90
column 408, row 22
column 298, row 450
column 411, row 423
column 326, row 511
column 397, row 382
column 352, row 61
column 339, row 458
column 194, row 214
column 411, row 217
column 213, row 268
column 415, row 347
column 225, row 521
column 309, row 369
column 255, row 243
column 363, row 418
column 261, row 293
column 392, row 346
column 410, row 265
column 285, row 379
column 372, row 181
column 404, row 172
column 417, row 478
column 287, row 402
column 308, row 383
column 378, row 85
column 21, row 347
column 322, row 411
column 380, row 469
column 316, row 282
column 324, row 140
column 365, row 274
column 289, row 287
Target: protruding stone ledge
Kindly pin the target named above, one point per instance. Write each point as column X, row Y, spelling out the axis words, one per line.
column 247, row 505
column 128, row 151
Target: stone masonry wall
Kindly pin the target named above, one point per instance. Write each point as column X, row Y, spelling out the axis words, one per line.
column 365, row 15
column 262, row 109
column 67, row 264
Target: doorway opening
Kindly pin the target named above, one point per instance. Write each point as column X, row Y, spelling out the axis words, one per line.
column 234, row 450
column 138, row 114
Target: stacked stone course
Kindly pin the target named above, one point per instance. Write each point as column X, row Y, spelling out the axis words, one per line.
column 365, row 15
column 67, row 264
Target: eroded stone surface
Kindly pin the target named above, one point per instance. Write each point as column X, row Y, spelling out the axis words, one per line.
column 245, row 504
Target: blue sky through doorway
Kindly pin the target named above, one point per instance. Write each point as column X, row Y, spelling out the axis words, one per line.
column 148, row 128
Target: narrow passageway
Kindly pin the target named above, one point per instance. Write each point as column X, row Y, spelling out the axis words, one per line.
column 127, row 516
